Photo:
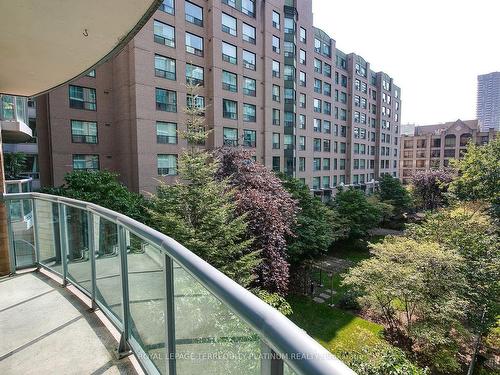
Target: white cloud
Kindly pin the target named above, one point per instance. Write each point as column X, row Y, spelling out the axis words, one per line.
column 434, row 49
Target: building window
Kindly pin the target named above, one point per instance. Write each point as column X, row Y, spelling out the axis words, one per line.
column 303, row 35
column 166, row 132
column 327, row 89
column 276, row 69
column 317, row 105
column 450, row 140
column 276, row 44
column 194, row 44
column 464, row 139
column 249, row 112
column 165, row 67
column 196, row 102
column 327, row 108
column 317, row 144
column 166, row 100
column 249, row 138
column 302, row 143
column 276, row 141
column 421, row 143
column 249, row 60
column 168, row 6
column 302, row 79
column 230, row 137
column 276, row 93
column 194, row 75
column 302, row 121
column 289, row 142
column 229, row 24
column 302, row 164
column 276, row 163
column 327, row 70
column 276, row 116
column 316, row 164
column 302, row 57
column 317, row 86
column 249, row 86
column 91, row 73
column 248, row 33
column 85, row 162
column 167, row 165
column 82, row 98
column 83, row 131
column 317, row 66
column 164, row 34
column 449, row 153
column 229, row 81
column 230, row 109
column 326, row 145
column 229, row 53
column 194, row 13
column 317, row 125
column 276, row 20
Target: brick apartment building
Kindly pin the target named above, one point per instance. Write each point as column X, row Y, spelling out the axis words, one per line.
column 270, row 80
column 432, row 146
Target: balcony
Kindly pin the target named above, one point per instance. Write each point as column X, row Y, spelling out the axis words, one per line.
column 169, row 308
column 13, row 119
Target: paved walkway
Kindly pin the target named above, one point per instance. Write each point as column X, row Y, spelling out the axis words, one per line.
column 46, row 329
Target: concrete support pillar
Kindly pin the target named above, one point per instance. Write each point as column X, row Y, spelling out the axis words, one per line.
column 4, row 232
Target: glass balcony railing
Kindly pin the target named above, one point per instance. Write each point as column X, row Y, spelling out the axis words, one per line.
column 178, row 314
column 13, row 108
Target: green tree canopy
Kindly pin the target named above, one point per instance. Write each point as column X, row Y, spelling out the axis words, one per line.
column 393, row 192
column 104, row 189
column 414, row 288
column 359, row 213
column 200, row 212
column 479, row 174
column 14, row 163
column 317, row 227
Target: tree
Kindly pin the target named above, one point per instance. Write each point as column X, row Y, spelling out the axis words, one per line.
column 394, row 193
column 479, row 175
column 360, row 214
column 414, row 288
column 14, row 163
column 429, row 188
column 270, row 211
column 317, row 227
column 472, row 235
column 201, row 212
column 104, row 189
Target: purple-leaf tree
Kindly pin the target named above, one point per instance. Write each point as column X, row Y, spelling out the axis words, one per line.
column 270, row 211
column 429, row 187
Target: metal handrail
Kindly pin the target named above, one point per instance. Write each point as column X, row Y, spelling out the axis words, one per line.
column 297, row 349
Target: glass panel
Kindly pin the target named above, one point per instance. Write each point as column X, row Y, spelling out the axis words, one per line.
column 47, row 225
column 21, row 218
column 287, row 370
column 213, row 340
column 146, row 282
column 109, row 287
column 77, row 232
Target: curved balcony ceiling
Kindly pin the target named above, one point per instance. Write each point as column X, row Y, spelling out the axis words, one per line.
column 44, row 44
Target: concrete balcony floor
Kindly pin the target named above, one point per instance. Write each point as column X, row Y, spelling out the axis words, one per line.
column 48, row 329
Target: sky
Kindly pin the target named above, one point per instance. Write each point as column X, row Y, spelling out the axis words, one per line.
column 433, row 49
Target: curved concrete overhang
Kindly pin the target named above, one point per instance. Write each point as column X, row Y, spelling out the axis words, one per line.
column 44, row 44
column 15, row 132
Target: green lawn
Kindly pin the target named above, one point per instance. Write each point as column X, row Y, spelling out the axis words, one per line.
column 335, row 329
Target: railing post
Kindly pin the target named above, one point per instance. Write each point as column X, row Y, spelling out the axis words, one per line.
column 10, row 232
column 124, row 347
column 35, row 233
column 270, row 363
column 170, row 316
column 63, row 237
column 93, row 272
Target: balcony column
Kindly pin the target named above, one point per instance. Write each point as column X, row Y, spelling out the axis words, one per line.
column 4, row 232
